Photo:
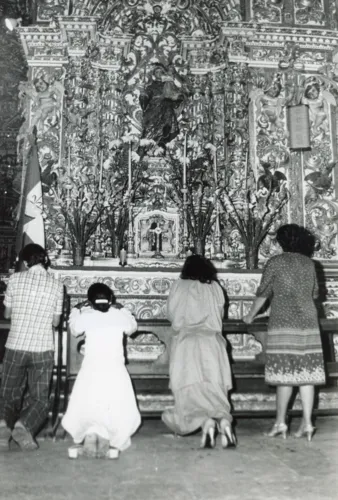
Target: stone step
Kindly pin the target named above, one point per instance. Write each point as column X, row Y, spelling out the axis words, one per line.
column 243, row 403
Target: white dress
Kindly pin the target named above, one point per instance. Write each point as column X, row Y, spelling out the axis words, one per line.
column 103, row 400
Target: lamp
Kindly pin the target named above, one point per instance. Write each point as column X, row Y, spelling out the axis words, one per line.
column 12, row 23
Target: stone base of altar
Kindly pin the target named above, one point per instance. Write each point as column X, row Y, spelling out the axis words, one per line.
column 244, row 404
column 143, row 287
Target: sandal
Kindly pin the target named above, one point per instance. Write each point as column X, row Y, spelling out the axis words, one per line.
column 75, row 451
column 24, row 438
column 112, row 453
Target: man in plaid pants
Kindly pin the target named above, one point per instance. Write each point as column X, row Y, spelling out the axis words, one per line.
column 33, row 301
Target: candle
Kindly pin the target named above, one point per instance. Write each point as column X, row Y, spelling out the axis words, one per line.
column 129, row 168
column 215, row 165
column 246, row 170
column 101, row 170
column 69, row 161
column 123, row 257
column 185, row 161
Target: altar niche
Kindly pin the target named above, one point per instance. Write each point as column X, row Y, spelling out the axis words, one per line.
column 157, row 234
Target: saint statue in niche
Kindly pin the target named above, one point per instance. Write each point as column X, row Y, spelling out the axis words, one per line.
column 156, row 234
column 160, row 102
column 155, row 237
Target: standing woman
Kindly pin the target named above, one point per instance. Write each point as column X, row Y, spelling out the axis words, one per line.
column 294, row 354
column 200, row 376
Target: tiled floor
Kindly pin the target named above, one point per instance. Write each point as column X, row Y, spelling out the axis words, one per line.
column 161, row 467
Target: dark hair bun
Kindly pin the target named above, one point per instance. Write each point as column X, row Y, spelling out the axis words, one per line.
column 101, row 296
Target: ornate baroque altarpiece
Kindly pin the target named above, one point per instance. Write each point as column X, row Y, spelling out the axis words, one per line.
column 238, row 66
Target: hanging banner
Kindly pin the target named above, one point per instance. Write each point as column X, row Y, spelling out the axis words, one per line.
column 299, row 126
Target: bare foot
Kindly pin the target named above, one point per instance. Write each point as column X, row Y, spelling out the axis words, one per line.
column 90, row 445
column 102, row 447
column 24, row 438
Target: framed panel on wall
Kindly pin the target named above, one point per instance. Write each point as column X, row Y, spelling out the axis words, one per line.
column 299, row 126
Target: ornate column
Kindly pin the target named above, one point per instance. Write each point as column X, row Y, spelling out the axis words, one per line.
column 42, row 98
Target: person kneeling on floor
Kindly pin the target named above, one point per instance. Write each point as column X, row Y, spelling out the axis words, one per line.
column 102, row 414
column 33, row 302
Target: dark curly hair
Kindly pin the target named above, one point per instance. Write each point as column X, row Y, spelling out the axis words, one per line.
column 297, row 239
column 101, row 297
column 198, row 268
column 34, row 254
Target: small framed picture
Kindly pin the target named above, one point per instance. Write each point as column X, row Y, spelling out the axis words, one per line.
column 299, row 126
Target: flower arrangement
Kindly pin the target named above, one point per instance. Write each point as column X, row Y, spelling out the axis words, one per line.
column 196, row 190
column 81, row 200
column 254, row 209
column 127, row 179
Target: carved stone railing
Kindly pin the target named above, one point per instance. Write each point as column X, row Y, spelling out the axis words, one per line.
column 147, row 353
column 148, row 364
column 144, row 289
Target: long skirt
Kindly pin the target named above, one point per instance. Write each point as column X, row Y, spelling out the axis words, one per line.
column 200, row 379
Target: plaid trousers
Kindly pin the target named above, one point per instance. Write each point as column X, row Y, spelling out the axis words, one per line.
column 26, row 370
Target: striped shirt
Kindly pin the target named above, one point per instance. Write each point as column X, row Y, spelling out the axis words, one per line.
column 34, row 297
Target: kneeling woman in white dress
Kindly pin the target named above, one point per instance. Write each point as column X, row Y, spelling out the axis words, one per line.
column 200, row 375
column 102, row 410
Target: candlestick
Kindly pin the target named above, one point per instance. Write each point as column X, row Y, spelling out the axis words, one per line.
column 129, row 168
column 215, row 166
column 246, row 170
column 69, row 161
column 101, row 170
column 185, row 161
column 123, row 257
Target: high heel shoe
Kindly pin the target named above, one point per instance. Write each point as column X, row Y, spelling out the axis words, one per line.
column 277, row 430
column 307, row 432
column 208, row 434
column 228, row 438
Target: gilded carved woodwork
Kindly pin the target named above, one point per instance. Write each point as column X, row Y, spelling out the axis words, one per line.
column 242, row 72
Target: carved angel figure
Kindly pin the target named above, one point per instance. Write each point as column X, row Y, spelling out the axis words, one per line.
column 46, row 98
column 269, row 107
column 318, row 108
